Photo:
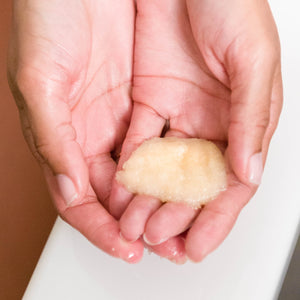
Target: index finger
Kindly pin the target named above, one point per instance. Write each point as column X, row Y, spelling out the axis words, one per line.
column 216, row 219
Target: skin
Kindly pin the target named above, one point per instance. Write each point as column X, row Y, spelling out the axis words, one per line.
column 208, row 69
column 70, row 69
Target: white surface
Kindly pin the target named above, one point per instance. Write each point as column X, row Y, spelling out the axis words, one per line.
column 248, row 265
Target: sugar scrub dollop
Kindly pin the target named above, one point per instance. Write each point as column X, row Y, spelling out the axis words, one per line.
column 190, row 171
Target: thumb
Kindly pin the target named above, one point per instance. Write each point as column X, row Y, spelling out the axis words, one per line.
column 46, row 122
column 251, row 88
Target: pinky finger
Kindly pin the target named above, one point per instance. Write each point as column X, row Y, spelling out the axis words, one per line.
column 145, row 123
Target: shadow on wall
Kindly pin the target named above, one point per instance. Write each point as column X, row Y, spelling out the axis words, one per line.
column 26, row 211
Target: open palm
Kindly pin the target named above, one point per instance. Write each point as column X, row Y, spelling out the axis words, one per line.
column 70, row 70
column 182, row 89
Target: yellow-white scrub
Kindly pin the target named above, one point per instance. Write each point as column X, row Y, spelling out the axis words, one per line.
column 190, row 171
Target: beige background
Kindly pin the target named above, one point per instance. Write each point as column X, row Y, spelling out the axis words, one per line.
column 26, row 212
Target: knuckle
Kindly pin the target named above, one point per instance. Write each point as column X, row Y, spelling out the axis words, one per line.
column 32, row 144
column 262, row 121
column 258, row 121
column 272, row 126
column 16, row 92
column 41, row 153
column 227, row 216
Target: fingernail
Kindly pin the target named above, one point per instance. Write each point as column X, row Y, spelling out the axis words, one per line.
column 67, row 188
column 153, row 244
column 255, row 168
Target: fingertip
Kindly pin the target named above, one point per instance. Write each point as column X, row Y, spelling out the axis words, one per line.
column 171, row 219
column 255, row 168
column 180, row 261
column 67, row 189
column 216, row 220
column 247, row 168
column 154, row 231
column 153, row 241
column 172, row 249
column 108, row 238
column 101, row 229
column 126, row 238
column 131, row 252
column 197, row 247
column 133, row 220
column 193, row 255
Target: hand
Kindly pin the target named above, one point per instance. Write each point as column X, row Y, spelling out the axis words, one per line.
column 70, row 69
column 208, row 69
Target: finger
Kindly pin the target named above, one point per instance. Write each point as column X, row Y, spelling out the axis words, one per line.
column 95, row 223
column 172, row 249
column 275, row 110
column 169, row 221
column 63, row 163
column 249, row 116
column 102, row 169
column 216, row 220
column 133, row 220
column 48, row 130
column 145, row 123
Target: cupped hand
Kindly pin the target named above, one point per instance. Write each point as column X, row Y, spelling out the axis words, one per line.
column 70, row 69
column 205, row 69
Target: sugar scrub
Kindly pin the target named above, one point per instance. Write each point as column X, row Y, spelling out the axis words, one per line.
column 190, row 171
